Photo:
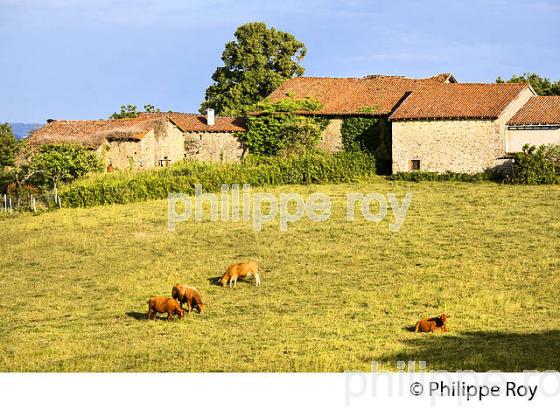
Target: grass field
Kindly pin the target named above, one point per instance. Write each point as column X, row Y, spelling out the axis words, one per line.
column 335, row 295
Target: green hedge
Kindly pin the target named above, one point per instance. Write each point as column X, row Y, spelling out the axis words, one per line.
column 127, row 187
column 419, row 176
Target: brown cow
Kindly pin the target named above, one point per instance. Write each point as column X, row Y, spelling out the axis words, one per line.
column 240, row 270
column 189, row 295
column 161, row 304
column 434, row 324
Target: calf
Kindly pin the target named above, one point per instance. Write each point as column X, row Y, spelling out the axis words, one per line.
column 240, row 270
column 434, row 324
column 161, row 304
column 189, row 295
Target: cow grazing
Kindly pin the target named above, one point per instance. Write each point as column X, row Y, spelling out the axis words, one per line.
column 189, row 295
column 434, row 324
column 240, row 270
column 161, row 304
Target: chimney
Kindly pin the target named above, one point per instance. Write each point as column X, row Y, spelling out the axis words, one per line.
column 210, row 120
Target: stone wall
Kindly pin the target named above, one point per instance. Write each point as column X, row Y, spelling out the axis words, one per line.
column 213, row 146
column 454, row 145
column 130, row 154
column 170, row 144
column 468, row 145
column 164, row 145
column 331, row 137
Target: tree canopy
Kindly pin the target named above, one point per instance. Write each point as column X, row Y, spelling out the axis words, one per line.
column 541, row 85
column 130, row 111
column 257, row 62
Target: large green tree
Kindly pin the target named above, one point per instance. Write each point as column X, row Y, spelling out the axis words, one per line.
column 541, row 85
column 257, row 62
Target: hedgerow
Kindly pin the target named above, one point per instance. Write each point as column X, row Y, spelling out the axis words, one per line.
column 127, row 187
column 419, row 176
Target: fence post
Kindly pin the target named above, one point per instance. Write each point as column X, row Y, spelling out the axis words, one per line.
column 5, row 203
column 10, row 205
column 33, row 204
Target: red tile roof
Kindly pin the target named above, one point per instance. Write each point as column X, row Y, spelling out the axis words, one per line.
column 92, row 133
column 372, row 95
column 452, row 101
column 538, row 111
column 197, row 122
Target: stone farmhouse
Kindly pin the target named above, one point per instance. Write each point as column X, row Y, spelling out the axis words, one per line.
column 436, row 124
column 151, row 139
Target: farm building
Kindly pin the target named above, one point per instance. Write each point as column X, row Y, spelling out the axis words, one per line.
column 537, row 122
column 374, row 96
column 455, row 127
column 151, row 139
column 432, row 124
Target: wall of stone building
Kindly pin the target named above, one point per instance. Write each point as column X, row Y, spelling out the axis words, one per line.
column 213, row 146
column 469, row 145
column 170, row 144
column 452, row 145
column 331, row 137
column 130, row 154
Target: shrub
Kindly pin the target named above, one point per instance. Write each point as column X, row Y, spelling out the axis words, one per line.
column 537, row 165
column 445, row 176
column 372, row 135
column 279, row 129
column 126, row 187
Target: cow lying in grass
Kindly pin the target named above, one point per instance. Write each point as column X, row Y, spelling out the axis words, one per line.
column 161, row 304
column 189, row 295
column 434, row 324
column 240, row 270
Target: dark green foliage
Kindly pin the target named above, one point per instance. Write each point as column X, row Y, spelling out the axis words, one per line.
column 130, row 111
column 537, row 165
column 257, row 171
column 541, row 85
column 8, row 146
column 371, row 135
column 443, row 176
column 280, row 130
column 257, row 62
column 58, row 163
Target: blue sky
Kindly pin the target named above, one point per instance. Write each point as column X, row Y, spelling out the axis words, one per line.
column 71, row 59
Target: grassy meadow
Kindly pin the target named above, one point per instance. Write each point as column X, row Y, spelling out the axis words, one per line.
column 335, row 295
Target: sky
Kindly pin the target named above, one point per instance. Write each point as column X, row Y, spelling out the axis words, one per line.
column 71, row 59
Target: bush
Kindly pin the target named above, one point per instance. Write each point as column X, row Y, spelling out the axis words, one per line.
column 446, row 176
column 127, row 187
column 279, row 129
column 537, row 165
column 372, row 135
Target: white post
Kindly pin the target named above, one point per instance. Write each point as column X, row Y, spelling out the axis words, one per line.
column 10, row 205
column 33, row 204
column 5, row 203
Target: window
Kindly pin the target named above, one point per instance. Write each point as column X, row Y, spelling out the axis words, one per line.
column 415, row 165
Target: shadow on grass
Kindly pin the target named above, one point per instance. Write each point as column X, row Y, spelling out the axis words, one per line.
column 214, row 280
column 138, row 315
column 482, row 351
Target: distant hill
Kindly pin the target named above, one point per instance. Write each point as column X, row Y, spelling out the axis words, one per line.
column 22, row 130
